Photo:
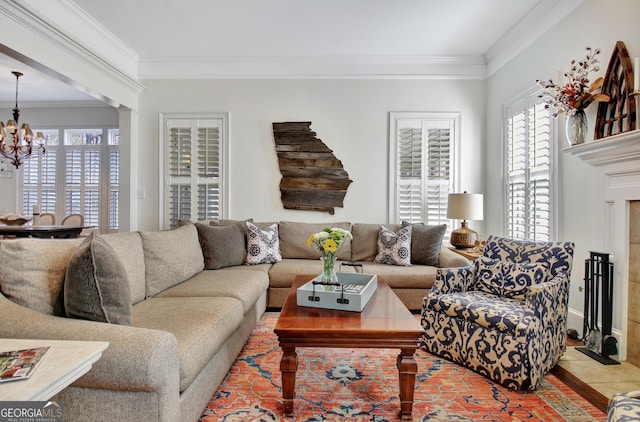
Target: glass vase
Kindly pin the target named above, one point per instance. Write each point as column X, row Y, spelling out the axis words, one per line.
column 328, row 269
column 576, row 127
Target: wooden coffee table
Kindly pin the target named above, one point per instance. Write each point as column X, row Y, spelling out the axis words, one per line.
column 385, row 323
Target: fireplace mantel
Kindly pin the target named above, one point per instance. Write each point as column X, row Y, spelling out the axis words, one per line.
column 613, row 149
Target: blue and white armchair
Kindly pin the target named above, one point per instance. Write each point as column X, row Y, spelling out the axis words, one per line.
column 505, row 316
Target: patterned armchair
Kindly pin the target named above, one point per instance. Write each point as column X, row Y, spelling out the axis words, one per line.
column 505, row 316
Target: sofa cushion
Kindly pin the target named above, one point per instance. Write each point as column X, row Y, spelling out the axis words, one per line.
column 426, row 243
column 394, row 248
column 397, row 277
column 263, row 246
column 485, row 309
column 171, row 257
column 364, row 245
column 294, row 235
column 32, row 272
column 246, row 285
column 222, row 246
column 128, row 247
column 201, row 325
column 96, row 286
column 284, row 272
column 507, row 279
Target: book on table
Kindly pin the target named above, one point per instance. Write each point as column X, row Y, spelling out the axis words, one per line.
column 21, row 364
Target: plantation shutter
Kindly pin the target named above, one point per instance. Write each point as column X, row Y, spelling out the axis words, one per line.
column 193, row 191
column 529, row 171
column 39, row 178
column 410, row 171
column 79, row 175
column 424, row 155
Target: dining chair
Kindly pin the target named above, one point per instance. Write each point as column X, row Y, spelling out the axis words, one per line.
column 73, row 220
column 47, row 219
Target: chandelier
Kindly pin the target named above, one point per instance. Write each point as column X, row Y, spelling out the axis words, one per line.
column 17, row 142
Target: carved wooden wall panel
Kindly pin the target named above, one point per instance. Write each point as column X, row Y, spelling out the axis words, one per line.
column 619, row 114
column 312, row 177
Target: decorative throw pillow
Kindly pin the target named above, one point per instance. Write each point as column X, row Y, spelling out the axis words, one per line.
column 222, row 246
column 394, row 248
column 171, row 257
column 263, row 246
column 508, row 279
column 32, row 272
column 96, row 286
column 426, row 243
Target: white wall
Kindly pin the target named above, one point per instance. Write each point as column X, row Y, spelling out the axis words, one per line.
column 51, row 118
column 598, row 24
column 350, row 116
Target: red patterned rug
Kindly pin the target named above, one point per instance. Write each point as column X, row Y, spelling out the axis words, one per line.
column 362, row 385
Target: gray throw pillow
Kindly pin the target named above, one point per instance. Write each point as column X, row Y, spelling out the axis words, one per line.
column 222, row 246
column 426, row 243
column 96, row 286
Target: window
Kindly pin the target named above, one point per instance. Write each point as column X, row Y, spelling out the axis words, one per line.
column 422, row 167
column 193, row 162
column 78, row 174
column 529, row 188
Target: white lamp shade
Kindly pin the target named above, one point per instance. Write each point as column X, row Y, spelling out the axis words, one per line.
column 465, row 206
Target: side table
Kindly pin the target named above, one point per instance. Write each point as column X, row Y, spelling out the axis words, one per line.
column 66, row 362
column 470, row 254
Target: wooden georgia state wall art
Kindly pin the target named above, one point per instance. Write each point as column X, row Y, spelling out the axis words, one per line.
column 618, row 115
column 312, row 177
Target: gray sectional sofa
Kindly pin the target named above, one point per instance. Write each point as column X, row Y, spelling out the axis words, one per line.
column 177, row 329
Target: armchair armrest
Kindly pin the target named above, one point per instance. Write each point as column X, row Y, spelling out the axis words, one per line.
column 544, row 326
column 452, row 280
column 137, row 359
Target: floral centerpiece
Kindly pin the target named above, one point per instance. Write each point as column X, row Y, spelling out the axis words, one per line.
column 575, row 95
column 328, row 242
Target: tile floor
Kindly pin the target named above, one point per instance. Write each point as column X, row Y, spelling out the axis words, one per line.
column 606, row 379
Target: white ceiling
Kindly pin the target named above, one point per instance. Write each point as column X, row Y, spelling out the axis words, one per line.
column 188, row 30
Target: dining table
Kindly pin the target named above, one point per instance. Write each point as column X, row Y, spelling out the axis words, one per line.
column 43, row 232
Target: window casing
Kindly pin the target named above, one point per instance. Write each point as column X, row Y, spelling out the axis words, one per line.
column 193, row 163
column 422, row 166
column 530, row 193
column 78, row 174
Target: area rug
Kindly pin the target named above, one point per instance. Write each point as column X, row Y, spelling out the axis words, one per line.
column 362, row 385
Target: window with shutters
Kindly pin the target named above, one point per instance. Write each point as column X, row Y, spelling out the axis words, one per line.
column 422, row 147
column 529, row 188
column 193, row 163
column 78, row 174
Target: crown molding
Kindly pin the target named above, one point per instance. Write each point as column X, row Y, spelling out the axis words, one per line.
column 535, row 24
column 27, row 105
column 68, row 28
column 313, row 67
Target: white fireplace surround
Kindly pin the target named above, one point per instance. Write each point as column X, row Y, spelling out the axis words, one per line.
column 617, row 161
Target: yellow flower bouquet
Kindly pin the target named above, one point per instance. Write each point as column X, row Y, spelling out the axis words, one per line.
column 328, row 242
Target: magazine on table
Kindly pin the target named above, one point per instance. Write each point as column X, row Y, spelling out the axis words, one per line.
column 20, row 364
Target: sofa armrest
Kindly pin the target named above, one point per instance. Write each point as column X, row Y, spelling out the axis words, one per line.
column 450, row 259
column 544, row 326
column 137, row 359
column 452, row 280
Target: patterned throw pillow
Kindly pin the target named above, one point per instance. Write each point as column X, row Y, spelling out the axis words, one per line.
column 394, row 248
column 263, row 246
column 508, row 279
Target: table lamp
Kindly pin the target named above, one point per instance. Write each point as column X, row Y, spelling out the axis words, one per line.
column 464, row 206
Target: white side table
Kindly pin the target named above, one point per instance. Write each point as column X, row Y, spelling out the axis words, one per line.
column 66, row 362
